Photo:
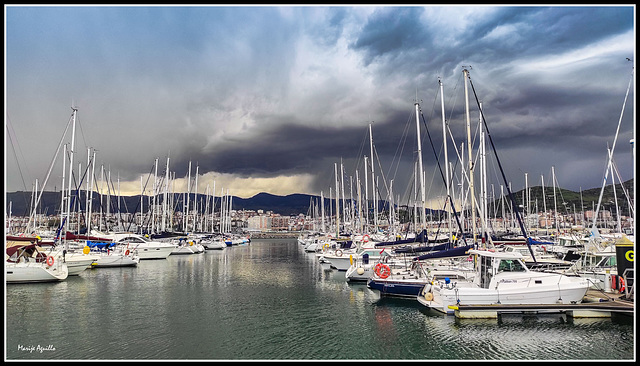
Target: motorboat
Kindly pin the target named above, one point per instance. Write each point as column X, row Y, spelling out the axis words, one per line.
column 597, row 267
column 502, row 278
column 144, row 247
column 26, row 262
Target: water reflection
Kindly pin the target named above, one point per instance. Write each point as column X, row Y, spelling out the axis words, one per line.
column 271, row 300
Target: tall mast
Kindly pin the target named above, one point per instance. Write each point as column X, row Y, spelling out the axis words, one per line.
column 90, row 209
column 195, row 199
column 483, row 175
column 594, row 229
column 335, row 166
column 446, row 156
column 186, row 213
column 322, row 210
column 470, row 155
column 344, row 204
column 422, row 193
column 165, row 207
column 366, row 195
column 71, row 151
column 63, row 209
column 544, row 204
column 154, row 198
column 373, row 183
column 555, row 203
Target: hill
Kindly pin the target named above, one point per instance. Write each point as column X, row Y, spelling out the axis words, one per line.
column 295, row 204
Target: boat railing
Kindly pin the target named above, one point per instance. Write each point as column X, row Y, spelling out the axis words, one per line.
column 629, row 291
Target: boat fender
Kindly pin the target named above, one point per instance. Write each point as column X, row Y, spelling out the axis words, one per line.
column 339, row 253
column 360, row 271
column 351, row 259
column 428, row 296
column 50, row 261
column 86, row 249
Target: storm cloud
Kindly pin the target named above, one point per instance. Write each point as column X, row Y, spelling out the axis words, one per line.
column 279, row 94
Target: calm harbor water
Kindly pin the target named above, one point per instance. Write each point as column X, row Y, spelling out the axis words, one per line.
column 272, row 301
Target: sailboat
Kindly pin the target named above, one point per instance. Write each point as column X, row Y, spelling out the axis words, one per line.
column 25, row 262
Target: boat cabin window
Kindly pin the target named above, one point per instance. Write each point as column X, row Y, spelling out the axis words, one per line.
column 608, row 262
column 510, row 265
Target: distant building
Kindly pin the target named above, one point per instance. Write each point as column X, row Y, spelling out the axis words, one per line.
column 259, row 223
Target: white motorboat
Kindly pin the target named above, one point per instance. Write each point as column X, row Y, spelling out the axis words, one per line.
column 25, row 263
column 502, row 278
column 144, row 247
column 597, row 267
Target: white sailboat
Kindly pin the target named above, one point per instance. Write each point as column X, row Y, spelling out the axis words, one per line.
column 110, row 255
column 186, row 246
column 25, row 263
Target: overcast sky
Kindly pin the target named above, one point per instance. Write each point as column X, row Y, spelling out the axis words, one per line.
column 268, row 99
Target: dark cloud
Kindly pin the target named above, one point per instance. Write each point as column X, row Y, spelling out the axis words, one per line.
column 389, row 32
column 280, row 91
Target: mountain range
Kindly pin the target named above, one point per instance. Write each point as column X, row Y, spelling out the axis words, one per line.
column 294, row 204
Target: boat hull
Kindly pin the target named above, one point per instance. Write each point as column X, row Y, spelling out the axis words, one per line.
column 409, row 287
column 154, row 251
column 34, row 272
column 116, row 260
column 566, row 290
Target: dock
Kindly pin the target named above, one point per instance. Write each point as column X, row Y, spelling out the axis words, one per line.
column 595, row 305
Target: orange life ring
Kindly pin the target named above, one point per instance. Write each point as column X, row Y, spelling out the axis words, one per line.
column 126, row 252
column 50, row 261
column 617, row 283
column 382, row 270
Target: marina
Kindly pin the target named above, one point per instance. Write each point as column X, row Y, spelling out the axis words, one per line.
column 177, row 247
column 271, row 300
